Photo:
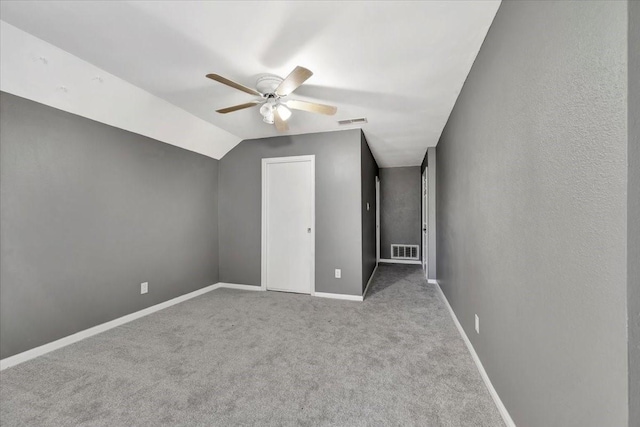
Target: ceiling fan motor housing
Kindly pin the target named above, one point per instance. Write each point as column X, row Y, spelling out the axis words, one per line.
column 268, row 83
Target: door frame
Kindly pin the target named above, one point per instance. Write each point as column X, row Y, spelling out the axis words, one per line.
column 377, row 220
column 424, row 229
column 290, row 159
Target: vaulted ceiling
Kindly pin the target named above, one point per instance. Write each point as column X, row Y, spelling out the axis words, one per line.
column 399, row 64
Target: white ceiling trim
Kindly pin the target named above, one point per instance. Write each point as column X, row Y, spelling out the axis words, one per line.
column 34, row 69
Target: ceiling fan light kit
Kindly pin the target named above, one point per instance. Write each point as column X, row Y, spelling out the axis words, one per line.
column 271, row 89
column 267, row 112
column 284, row 112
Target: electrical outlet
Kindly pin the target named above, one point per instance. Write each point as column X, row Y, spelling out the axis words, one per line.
column 477, row 324
column 367, row 206
column 144, row 287
column 338, row 273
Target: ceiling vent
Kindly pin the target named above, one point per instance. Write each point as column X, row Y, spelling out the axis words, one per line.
column 404, row 251
column 352, row 121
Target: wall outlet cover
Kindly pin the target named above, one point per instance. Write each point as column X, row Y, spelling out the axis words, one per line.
column 144, row 287
column 338, row 273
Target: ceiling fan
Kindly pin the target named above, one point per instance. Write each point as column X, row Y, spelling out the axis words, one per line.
column 271, row 90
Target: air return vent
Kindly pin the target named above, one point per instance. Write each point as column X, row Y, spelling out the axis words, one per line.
column 352, row 121
column 405, row 251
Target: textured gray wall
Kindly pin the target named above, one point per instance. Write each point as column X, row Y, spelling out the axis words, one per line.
column 87, row 213
column 338, row 213
column 633, row 214
column 531, row 189
column 400, row 211
column 369, row 170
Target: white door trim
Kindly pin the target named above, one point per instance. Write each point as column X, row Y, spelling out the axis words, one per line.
column 377, row 220
column 291, row 159
column 424, row 235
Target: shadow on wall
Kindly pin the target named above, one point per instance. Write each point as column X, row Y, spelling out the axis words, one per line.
column 281, row 142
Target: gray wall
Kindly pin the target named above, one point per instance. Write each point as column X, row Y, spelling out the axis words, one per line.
column 338, row 212
column 633, row 214
column 400, row 211
column 425, row 161
column 87, row 213
column 369, row 171
column 531, row 211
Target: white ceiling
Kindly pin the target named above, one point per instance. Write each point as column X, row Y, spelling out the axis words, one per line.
column 400, row 64
column 34, row 69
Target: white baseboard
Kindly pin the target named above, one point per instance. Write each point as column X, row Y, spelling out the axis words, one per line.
column 366, row 289
column 8, row 362
column 401, row 261
column 339, row 296
column 239, row 286
column 432, row 281
column 492, row 391
column 314, row 294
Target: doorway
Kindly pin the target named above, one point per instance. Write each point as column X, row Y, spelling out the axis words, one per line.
column 288, row 224
column 425, row 225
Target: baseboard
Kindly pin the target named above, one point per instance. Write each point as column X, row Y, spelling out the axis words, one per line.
column 432, row 281
column 401, row 261
column 492, row 391
column 340, row 296
column 239, row 286
column 8, row 362
column 366, row 289
column 316, row 294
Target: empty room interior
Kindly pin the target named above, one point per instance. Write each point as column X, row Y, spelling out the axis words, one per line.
column 318, row 213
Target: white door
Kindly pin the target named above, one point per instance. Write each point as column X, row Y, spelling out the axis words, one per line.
column 425, row 228
column 288, row 187
column 377, row 219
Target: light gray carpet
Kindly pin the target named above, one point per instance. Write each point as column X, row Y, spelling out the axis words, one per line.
column 234, row 357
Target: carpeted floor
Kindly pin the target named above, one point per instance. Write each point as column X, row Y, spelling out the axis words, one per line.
column 234, row 357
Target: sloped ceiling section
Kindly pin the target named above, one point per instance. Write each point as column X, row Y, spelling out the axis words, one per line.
column 400, row 64
column 36, row 70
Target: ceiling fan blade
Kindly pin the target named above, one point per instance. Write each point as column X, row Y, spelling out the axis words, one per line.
column 233, row 84
column 298, row 76
column 238, row 107
column 312, row 107
column 281, row 125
